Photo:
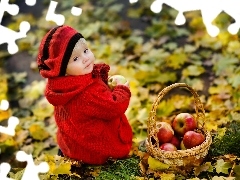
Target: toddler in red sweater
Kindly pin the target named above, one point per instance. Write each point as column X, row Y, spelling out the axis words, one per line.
column 92, row 126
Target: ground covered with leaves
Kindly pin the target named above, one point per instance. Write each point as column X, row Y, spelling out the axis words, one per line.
column 152, row 53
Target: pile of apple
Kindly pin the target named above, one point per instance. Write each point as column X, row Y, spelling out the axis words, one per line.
column 180, row 135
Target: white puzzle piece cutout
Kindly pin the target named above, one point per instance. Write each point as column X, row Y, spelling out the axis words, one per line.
column 76, row 11
column 7, row 35
column 30, row 2
column 59, row 19
column 5, row 167
column 12, row 9
column 31, row 170
column 10, row 129
column 4, row 170
column 12, row 121
column 209, row 10
column 133, row 1
column 4, row 105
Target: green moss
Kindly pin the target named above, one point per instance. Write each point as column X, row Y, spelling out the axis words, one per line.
column 126, row 169
column 227, row 144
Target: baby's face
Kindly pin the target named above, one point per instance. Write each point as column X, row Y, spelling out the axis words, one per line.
column 81, row 61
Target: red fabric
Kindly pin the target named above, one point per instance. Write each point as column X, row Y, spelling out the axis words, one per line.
column 92, row 126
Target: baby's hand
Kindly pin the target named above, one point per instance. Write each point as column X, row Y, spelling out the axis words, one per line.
column 126, row 84
column 117, row 80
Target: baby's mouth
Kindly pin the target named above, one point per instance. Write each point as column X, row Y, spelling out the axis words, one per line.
column 88, row 65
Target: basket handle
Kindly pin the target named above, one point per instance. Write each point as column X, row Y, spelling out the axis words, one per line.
column 198, row 107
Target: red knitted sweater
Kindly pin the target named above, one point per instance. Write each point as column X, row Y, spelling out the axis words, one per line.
column 90, row 117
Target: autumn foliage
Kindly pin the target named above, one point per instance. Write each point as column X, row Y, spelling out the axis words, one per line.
column 151, row 52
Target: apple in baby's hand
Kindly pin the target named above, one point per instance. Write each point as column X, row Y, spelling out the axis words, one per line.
column 184, row 122
column 168, row 147
column 175, row 141
column 116, row 80
column 192, row 139
column 165, row 132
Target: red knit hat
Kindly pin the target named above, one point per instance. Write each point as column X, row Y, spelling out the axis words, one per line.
column 55, row 51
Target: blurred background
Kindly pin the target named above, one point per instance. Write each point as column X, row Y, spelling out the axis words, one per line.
column 149, row 49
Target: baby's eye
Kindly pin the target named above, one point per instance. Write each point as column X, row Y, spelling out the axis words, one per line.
column 86, row 50
column 75, row 58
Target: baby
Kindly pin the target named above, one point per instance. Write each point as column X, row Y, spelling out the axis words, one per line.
column 92, row 126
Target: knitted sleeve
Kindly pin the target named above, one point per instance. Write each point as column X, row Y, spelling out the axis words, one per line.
column 107, row 105
column 101, row 71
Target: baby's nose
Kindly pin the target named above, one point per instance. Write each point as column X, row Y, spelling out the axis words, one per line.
column 85, row 59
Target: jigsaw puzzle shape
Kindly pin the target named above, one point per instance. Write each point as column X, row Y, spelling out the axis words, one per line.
column 4, row 105
column 9, row 36
column 51, row 16
column 12, row 9
column 4, row 170
column 59, row 19
column 209, row 10
column 76, row 11
column 30, row 2
column 12, row 123
column 133, row 1
column 31, row 170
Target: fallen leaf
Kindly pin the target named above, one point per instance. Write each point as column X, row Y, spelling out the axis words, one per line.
column 155, row 164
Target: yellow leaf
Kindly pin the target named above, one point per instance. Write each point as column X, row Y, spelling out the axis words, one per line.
column 38, row 132
column 51, row 162
column 197, row 23
column 63, row 168
column 204, row 167
column 211, row 126
column 221, row 132
column 220, row 89
column 43, row 109
column 4, row 137
column 176, row 60
column 58, row 165
column 222, row 166
column 165, row 176
column 195, row 83
column 34, row 90
column 155, row 164
column 4, row 87
column 225, row 38
column 4, row 115
column 193, row 70
column 6, row 141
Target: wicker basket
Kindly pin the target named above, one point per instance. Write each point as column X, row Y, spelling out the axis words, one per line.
column 189, row 157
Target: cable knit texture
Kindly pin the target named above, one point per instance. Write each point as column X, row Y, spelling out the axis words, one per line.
column 92, row 126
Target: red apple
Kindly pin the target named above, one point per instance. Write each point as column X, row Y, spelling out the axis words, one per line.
column 116, row 80
column 175, row 141
column 165, row 132
column 192, row 139
column 184, row 122
column 168, row 147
